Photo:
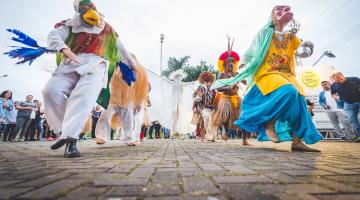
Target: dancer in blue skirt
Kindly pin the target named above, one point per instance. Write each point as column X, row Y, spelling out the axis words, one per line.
column 275, row 105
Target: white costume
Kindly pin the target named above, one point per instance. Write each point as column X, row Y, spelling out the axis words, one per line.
column 73, row 89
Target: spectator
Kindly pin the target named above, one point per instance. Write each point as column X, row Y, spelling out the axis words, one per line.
column 38, row 128
column 157, row 127
column 10, row 127
column 348, row 89
column 23, row 119
column 95, row 114
column 6, row 105
column 311, row 107
column 30, row 133
column 151, row 131
column 335, row 111
column 50, row 135
column 166, row 132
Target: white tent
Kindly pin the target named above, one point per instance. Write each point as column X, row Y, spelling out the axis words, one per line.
column 171, row 103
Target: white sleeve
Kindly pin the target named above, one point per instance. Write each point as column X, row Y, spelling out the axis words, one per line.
column 124, row 55
column 57, row 37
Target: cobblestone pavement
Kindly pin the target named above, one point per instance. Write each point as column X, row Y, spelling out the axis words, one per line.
column 180, row 169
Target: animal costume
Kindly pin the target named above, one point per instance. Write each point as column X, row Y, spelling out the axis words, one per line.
column 127, row 107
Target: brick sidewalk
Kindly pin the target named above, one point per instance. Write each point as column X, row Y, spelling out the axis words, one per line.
column 180, row 169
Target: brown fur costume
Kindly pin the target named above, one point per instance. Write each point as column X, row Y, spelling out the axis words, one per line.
column 122, row 94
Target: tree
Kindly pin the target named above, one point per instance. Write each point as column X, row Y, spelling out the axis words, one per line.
column 175, row 64
column 192, row 73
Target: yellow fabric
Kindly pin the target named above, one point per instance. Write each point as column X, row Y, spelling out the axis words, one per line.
column 278, row 68
column 235, row 99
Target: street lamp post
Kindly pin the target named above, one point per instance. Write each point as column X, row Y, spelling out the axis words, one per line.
column 326, row 53
column 162, row 37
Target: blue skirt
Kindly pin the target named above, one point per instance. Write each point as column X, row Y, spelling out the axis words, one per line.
column 285, row 105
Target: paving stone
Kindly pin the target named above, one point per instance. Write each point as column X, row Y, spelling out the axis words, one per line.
column 246, row 192
column 120, row 191
column 56, row 189
column 348, row 179
column 122, row 168
column 85, row 193
column 187, row 197
column 339, row 197
column 337, row 170
column 210, row 167
column 241, row 179
column 292, row 189
column 7, row 193
column 166, row 178
column 199, row 186
column 239, row 169
column 40, row 181
column 180, row 169
column 163, row 189
column 190, row 171
column 280, row 177
column 307, row 172
column 331, row 184
column 4, row 183
column 142, row 172
column 118, row 179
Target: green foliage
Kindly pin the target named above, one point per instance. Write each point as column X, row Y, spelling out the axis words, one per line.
column 191, row 72
column 175, row 64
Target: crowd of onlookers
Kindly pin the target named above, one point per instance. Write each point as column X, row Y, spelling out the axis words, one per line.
column 23, row 120
column 341, row 102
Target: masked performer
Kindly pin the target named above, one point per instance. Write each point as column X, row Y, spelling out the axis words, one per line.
column 275, row 100
column 90, row 50
column 127, row 106
column 204, row 99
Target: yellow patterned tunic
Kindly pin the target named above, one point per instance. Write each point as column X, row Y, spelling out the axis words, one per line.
column 278, row 68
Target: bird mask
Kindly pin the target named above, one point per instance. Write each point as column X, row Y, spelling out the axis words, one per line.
column 88, row 13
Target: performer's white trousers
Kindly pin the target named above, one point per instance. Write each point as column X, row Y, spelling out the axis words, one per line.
column 138, row 122
column 71, row 93
column 211, row 130
column 103, row 127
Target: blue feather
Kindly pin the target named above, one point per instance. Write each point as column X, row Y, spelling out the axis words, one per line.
column 23, row 38
column 26, row 54
column 128, row 74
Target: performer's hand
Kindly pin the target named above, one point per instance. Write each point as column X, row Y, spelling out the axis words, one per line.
column 69, row 54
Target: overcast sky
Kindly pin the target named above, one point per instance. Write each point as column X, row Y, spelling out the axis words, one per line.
column 197, row 28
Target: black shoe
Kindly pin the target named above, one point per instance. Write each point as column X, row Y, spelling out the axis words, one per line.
column 58, row 144
column 71, row 150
